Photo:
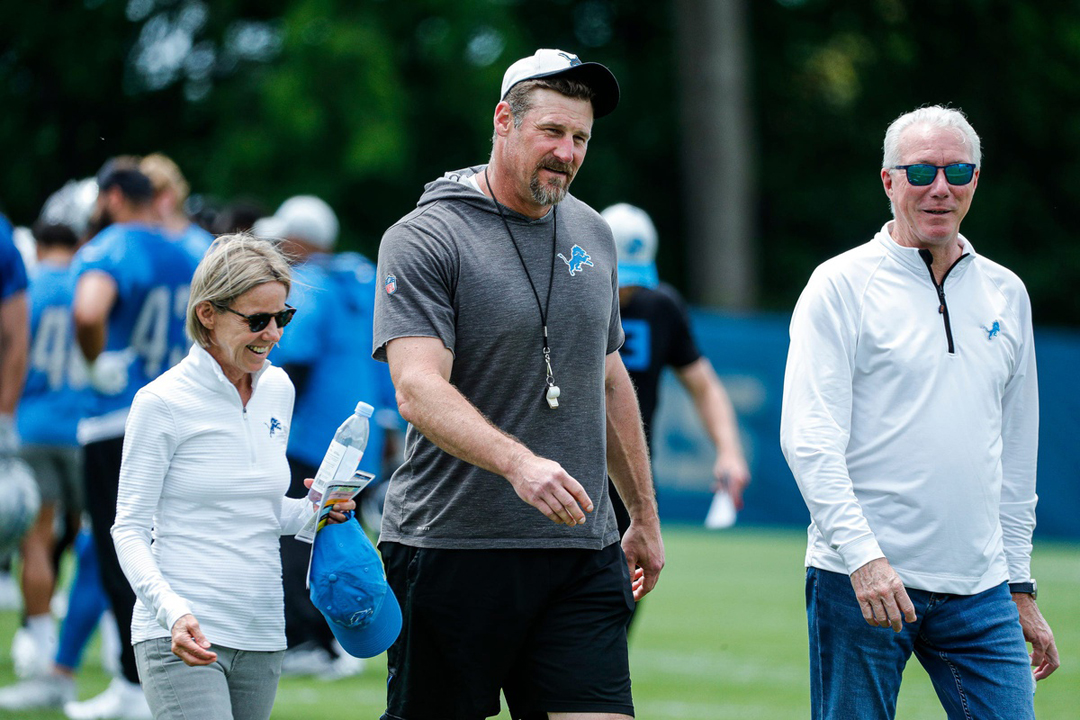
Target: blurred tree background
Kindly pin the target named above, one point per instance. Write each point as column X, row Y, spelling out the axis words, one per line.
column 363, row 101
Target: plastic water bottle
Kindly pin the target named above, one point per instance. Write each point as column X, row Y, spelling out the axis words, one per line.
column 343, row 456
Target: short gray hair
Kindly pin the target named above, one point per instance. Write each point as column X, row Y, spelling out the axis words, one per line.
column 934, row 116
column 233, row 265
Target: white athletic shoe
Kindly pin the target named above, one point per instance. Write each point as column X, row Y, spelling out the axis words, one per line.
column 306, row 659
column 31, row 657
column 122, row 700
column 47, row 691
column 343, row 666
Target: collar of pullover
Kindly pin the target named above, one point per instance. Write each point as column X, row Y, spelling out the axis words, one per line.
column 207, row 371
column 909, row 257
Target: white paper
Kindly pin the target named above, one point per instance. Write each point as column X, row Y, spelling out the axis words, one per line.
column 334, row 493
column 721, row 512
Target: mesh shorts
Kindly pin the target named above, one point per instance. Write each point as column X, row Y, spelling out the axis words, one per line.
column 547, row 627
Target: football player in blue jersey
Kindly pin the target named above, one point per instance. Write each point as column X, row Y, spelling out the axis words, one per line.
column 131, row 297
column 14, row 336
column 170, row 192
column 325, row 355
column 52, row 402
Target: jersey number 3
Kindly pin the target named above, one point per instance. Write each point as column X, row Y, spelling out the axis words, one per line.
column 637, row 347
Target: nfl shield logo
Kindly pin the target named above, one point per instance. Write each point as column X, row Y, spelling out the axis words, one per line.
column 391, row 284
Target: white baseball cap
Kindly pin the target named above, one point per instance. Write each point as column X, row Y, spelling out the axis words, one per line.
column 635, row 242
column 303, row 217
column 548, row 63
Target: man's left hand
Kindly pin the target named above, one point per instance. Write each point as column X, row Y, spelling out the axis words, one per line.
column 1044, row 652
column 644, row 549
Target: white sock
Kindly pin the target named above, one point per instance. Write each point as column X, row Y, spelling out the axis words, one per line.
column 42, row 628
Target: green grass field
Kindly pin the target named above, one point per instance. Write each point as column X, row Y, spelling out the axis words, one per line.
column 723, row 636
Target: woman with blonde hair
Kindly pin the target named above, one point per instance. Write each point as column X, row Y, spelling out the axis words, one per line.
column 204, row 475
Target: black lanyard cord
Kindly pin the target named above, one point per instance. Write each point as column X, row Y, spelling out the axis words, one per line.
column 551, row 279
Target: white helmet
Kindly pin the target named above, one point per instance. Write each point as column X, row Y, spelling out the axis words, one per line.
column 72, row 205
column 20, row 501
column 635, row 241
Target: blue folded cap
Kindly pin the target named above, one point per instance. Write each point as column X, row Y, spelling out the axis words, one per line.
column 349, row 588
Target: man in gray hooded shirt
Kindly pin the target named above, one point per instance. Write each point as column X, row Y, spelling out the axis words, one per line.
column 498, row 313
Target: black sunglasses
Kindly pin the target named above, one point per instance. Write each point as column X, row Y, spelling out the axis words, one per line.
column 924, row 174
column 257, row 322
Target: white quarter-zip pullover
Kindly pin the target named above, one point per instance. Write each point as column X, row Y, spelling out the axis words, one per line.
column 209, row 476
column 910, row 417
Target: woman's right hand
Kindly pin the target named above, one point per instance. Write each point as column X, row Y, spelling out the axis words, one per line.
column 189, row 644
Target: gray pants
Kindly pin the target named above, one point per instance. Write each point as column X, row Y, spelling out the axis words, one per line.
column 240, row 685
column 58, row 471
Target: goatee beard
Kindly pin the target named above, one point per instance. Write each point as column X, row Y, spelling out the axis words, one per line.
column 552, row 192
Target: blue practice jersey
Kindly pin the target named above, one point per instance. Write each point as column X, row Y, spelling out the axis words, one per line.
column 153, row 276
column 195, row 241
column 54, row 398
column 331, row 334
column 12, row 269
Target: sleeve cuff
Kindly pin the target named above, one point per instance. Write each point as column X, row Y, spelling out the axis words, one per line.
column 293, row 515
column 859, row 552
column 1019, row 569
column 172, row 611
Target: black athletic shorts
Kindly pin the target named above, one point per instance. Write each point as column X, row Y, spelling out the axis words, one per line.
column 547, row 627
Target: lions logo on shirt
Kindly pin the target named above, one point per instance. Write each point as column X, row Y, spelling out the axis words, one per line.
column 578, row 258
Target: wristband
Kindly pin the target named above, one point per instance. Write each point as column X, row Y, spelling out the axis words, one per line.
column 1028, row 588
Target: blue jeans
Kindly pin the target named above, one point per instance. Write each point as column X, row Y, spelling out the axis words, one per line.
column 972, row 647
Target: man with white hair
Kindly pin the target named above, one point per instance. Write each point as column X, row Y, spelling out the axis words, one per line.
column 910, row 422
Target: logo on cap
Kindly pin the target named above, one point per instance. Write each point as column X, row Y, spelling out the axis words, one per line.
column 572, row 59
